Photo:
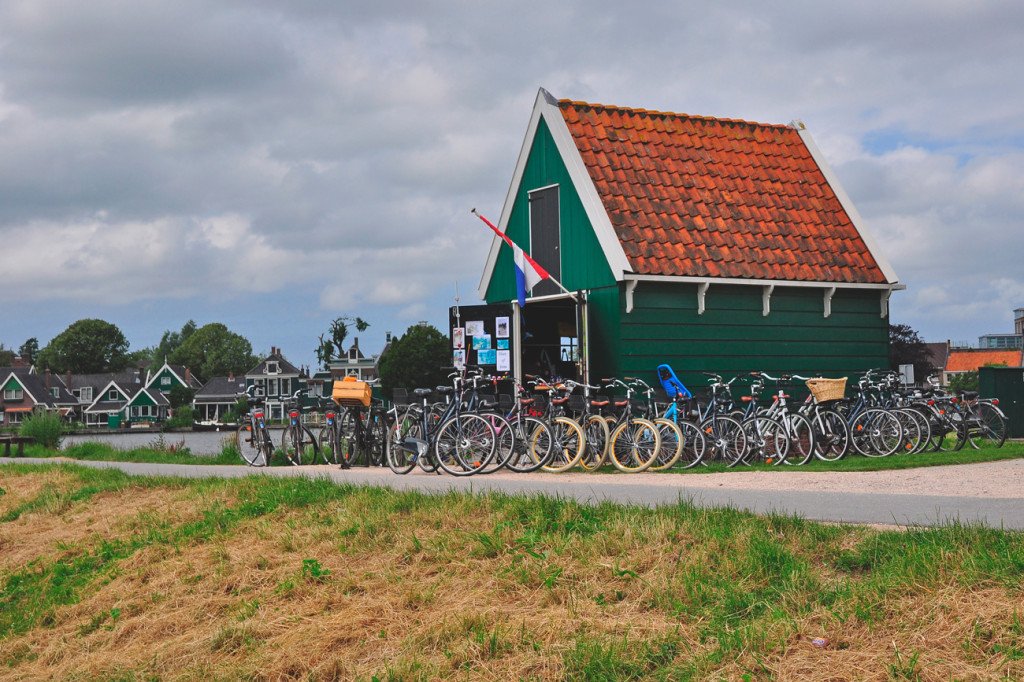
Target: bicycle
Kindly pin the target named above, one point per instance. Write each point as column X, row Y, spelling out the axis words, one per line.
column 635, row 441
column 831, row 433
column 767, row 439
column 252, row 439
column 798, row 427
column 726, row 440
column 363, row 428
column 297, row 441
column 694, row 441
column 568, row 441
column 462, row 445
column 984, row 420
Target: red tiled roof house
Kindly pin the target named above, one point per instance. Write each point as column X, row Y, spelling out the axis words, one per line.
column 710, row 244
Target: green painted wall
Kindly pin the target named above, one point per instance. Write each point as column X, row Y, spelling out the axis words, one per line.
column 732, row 336
column 13, row 385
column 583, row 263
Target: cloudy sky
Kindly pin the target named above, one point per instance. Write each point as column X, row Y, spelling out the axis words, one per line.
column 273, row 165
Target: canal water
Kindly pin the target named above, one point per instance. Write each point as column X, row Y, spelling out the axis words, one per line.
column 201, row 443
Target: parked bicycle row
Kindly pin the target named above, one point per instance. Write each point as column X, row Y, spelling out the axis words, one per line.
column 470, row 427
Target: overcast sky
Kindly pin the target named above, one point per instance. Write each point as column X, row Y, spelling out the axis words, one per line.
column 272, row 165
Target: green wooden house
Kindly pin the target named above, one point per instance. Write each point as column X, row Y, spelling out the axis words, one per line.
column 147, row 405
column 708, row 244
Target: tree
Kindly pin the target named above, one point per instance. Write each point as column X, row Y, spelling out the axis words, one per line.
column 30, row 349
column 6, row 356
column 86, row 347
column 180, row 395
column 213, row 350
column 906, row 347
column 415, row 360
column 172, row 341
column 333, row 347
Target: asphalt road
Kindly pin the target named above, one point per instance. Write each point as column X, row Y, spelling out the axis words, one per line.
column 845, row 507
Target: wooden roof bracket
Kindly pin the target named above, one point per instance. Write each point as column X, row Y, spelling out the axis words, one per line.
column 630, row 288
column 829, row 293
column 766, row 299
column 702, row 289
column 885, row 301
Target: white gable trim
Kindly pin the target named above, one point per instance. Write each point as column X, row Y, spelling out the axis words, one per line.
column 846, row 202
column 546, row 107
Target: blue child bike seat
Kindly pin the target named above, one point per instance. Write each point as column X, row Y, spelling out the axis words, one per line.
column 673, row 386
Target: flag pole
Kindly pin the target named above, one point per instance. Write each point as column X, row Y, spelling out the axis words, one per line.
column 508, row 241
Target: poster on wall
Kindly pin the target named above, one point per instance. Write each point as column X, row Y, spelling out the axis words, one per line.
column 501, row 327
column 502, row 344
column 482, row 342
column 458, row 338
column 459, row 359
column 475, row 328
column 503, row 360
column 486, row 357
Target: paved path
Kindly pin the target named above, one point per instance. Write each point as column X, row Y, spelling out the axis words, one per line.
column 717, row 490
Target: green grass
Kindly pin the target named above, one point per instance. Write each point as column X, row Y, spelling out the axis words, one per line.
column 729, row 589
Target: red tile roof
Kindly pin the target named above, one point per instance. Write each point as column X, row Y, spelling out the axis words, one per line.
column 708, row 197
column 967, row 360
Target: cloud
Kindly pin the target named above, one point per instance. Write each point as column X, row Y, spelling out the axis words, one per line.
column 201, row 150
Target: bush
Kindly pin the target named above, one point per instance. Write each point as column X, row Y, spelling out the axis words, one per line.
column 45, row 428
column 183, row 418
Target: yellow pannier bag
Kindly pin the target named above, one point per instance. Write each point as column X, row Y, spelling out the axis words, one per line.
column 351, row 392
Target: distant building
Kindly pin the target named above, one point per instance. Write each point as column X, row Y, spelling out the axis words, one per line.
column 1014, row 340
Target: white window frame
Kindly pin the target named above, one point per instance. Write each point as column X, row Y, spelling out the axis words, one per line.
column 14, row 394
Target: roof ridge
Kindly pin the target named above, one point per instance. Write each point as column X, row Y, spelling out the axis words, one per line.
column 655, row 112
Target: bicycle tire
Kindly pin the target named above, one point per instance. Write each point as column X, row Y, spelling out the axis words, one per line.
column 533, row 445
column 875, row 433
column 726, row 440
column 399, row 459
column 694, row 445
column 911, row 440
column 767, row 441
column 465, row 444
column 801, row 439
column 831, row 436
column 671, row 444
column 986, row 424
column 949, row 433
column 595, row 429
column 505, row 439
column 298, row 445
column 634, row 445
column 347, row 441
column 328, row 442
column 249, row 449
column 569, row 443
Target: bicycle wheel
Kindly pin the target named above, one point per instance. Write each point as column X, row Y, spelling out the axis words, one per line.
column 635, row 445
column 831, row 435
column 249, row 448
column 726, row 440
column 986, row 426
column 671, row 444
column 465, row 444
column 405, row 444
column 875, row 433
column 327, row 440
column 949, row 433
column 767, row 441
column 533, row 447
column 505, row 442
column 377, row 440
column 568, row 445
column 923, row 426
column 347, row 424
column 694, row 445
column 911, row 440
column 801, row 438
column 595, row 429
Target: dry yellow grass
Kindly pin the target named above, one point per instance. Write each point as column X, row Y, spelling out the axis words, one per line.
column 339, row 591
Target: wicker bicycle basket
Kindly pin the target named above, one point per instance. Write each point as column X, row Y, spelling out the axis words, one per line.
column 827, row 389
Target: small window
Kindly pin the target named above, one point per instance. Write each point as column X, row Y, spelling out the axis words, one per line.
column 272, row 368
column 165, row 381
column 112, row 394
column 86, row 393
column 16, row 395
column 569, row 349
column 55, row 392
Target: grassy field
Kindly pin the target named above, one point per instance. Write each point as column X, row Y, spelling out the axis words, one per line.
column 109, row 577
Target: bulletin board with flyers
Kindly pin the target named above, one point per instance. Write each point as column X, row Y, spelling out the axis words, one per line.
column 483, row 335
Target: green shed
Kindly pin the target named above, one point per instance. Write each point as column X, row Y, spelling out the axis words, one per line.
column 708, row 244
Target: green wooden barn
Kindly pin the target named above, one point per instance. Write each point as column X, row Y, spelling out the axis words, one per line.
column 708, row 244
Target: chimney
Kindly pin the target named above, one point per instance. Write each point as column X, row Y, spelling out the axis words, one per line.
column 231, row 376
column 188, row 377
column 47, row 378
column 68, row 382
